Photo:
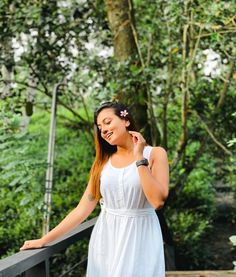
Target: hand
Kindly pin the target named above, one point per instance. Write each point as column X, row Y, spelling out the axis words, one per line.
column 139, row 143
column 31, row 244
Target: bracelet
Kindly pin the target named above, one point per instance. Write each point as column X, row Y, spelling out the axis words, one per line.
column 142, row 162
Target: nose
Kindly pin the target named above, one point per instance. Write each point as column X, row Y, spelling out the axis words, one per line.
column 104, row 131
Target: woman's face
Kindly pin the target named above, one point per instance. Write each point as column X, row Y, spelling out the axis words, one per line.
column 112, row 127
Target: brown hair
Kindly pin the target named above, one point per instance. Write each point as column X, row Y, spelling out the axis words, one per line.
column 103, row 149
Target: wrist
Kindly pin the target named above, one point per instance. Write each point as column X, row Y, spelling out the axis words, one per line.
column 43, row 241
column 139, row 157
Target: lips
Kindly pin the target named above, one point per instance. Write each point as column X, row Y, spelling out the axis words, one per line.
column 109, row 135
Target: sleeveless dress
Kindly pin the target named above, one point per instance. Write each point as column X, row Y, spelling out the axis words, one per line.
column 126, row 240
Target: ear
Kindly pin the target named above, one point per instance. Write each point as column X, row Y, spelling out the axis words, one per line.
column 127, row 123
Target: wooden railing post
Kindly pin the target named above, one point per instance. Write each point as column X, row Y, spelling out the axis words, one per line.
column 39, row 270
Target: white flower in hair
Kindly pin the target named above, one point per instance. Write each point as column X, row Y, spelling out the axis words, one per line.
column 123, row 113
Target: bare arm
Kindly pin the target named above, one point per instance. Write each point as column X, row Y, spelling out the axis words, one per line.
column 85, row 207
column 155, row 182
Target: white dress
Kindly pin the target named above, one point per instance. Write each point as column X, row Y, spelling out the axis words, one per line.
column 126, row 240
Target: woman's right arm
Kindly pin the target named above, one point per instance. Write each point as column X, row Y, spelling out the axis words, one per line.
column 85, row 207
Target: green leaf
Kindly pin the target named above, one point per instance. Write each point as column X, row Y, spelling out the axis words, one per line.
column 231, row 142
column 11, row 165
column 233, row 240
column 5, row 145
column 8, row 175
column 15, row 181
column 25, row 200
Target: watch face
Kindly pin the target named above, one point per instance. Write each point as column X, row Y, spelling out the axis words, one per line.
column 145, row 162
column 142, row 162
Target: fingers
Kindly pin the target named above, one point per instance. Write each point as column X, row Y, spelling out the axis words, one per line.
column 26, row 245
column 137, row 137
column 29, row 244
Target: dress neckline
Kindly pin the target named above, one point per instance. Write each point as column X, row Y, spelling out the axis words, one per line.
column 123, row 167
column 131, row 164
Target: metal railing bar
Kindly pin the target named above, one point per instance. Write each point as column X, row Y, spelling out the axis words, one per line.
column 24, row 260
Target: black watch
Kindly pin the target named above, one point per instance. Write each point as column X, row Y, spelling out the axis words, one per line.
column 142, row 162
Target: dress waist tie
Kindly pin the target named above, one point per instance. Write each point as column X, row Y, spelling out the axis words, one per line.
column 128, row 212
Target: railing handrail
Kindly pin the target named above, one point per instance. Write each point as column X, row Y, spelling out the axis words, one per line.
column 25, row 260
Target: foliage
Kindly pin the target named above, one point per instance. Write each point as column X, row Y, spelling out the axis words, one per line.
column 191, row 214
column 189, row 228
column 23, row 167
column 175, row 51
column 22, row 170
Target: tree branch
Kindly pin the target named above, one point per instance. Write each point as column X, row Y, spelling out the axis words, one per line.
column 184, row 87
column 135, row 34
column 220, row 32
column 226, row 85
column 180, row 182
column 212, row 136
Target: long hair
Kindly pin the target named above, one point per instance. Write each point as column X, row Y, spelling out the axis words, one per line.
column 103, row 149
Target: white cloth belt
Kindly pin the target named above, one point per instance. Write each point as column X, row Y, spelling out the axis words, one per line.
column 128, row 212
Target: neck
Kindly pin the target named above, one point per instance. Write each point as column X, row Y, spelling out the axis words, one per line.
column 127, row 147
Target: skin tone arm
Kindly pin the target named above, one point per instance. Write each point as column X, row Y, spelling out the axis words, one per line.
column 155, row 182
column 85, row 207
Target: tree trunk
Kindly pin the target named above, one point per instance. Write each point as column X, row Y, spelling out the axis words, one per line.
column 121, row 21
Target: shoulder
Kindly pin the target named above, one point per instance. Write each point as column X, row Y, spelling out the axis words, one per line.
column 159, row 150
column 158, row 153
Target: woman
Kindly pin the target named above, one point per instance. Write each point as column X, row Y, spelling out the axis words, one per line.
column 130, row 179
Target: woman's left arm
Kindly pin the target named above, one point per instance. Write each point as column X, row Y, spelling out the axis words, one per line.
column 155, row 181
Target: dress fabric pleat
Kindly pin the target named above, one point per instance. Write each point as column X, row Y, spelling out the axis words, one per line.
column 126, row 240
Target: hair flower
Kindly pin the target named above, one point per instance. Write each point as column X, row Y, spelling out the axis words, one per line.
column 123, row 113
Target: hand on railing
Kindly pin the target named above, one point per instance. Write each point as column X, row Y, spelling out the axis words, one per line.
column 30, row 244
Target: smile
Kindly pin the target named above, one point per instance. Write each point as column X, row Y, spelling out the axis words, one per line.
column 109, row 135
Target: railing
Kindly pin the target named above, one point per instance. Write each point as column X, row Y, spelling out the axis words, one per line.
column 35, row 263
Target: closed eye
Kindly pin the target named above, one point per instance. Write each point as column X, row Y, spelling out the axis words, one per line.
column 105, row 121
